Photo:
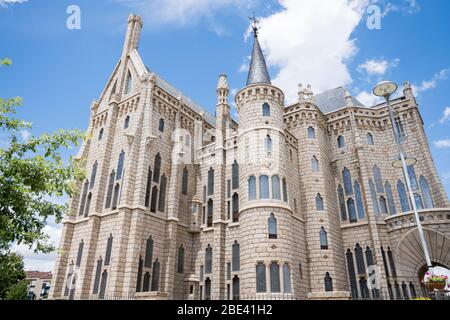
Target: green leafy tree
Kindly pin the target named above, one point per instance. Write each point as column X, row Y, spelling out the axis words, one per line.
column 32, row 172
column 12, row 277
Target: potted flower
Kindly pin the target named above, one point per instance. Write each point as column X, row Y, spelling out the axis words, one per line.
column 435, row 282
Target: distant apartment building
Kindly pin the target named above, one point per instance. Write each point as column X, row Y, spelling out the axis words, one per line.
column 39, row 284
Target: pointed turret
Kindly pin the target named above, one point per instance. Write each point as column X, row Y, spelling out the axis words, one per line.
column 258, row 69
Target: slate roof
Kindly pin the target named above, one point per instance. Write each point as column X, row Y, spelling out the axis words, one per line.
column 333, row 100
column 257, row 72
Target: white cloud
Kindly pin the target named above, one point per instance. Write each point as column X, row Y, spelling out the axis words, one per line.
column 310, row 43
column 368, row 99
column 4, row 3
column 442, row 75
column 442, row 144
column 377, row 66
column 25, row 134
column 445, row 116
column 446, row 177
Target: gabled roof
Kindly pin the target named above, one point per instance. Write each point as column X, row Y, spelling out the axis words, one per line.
column 333, row 100
column 187, row 101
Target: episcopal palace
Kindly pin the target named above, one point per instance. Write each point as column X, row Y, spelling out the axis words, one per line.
column 295, row 201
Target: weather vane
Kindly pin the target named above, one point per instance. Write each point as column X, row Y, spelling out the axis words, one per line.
column 255, row 24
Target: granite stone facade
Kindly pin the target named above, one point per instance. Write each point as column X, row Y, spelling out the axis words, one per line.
column 293, row 202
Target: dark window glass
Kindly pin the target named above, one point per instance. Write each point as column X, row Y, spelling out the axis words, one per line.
column 116, row 197
column 392, row 263
column 383, row 205
column 208, row 289
column 341, row 142
column 352, row 210
column 148, row 188
column 154, row 197
column 315, row 164
column 383, row 255
column 139, row 275
column 323, row 239
column 285, row 191
column 319, row 203
column 161, row 125
column 236, row 256
column 209, row 221
column 370, row 141
column 155, row 276
column 93, row 175
column 83, row 197
column 236, row 288
column 275, row 277
column 146, row 286
column 266, row 110
column 378, row 179
column 328, row 282
column 235, row 207
column 208, row 259
column 103, row 283
column 110, row 190
column 108, row 250
column 126, row 124
column 403, row 197
column 418, row 200
column 80, row 253
column 184, row 182
column 98, row 273
column 413, row 178
column 149, row 253
column 347, row 182
column 157, row 166
column 129, row 83
column 181, row 259
column 235, row 175
column 162, row 194
column 100, row 134
column 390, row 198
column 364, row 289
column 210, row 182
column 359, row 201
column 360, row 259
column 261, row 277
column 342, row 207
column 120, row 163
column 373, row 196
column 427, row 199
column 88, row 205
column 272, row 226
column 351, row 274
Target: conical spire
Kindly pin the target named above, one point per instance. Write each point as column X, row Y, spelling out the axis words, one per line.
column 258, row 69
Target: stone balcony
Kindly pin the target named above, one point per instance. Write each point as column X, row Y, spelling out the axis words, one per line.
column 427, row 216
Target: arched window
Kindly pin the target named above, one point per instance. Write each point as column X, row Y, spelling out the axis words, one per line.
column 80, row 253
column 311, row 133
column 370, row 139
column 369, row 257
column 110, row 190
column 236, row 260
column 360, row 259
column 98, row 274
column 319, row 203
column 402, row 196
column 323, row 239
column 252, row 188
column 83, row 197
column 161, row 125
column 328, row 282
column 184, row 182
column 139, row 275
column 427, row 199
column 155, row 276
column 347, row 182
column 315, row 164
column 261, row 277
column 285, row 191
column 120, row 163
column 149, row 253
column 208, row 289
column 210, row 182
column 115, row 199
column 359, row 201
column 373, row 196
column 275, row 277
column 154, row 198
column 418, row 200
column 108, row 250
column 413, row 178
column 352, row 210
column 286, row 278
column 390, row 198
column 93, row 175
column 264, row 187
column 126, row 123
column 268, row 144
column 236, row 288
column 342, row 207
column 272, row 227
column 103, row 283
column 148, row 188
column 157, row 166
column 341, row 142
column 351, row 273
column 181, row 259
column 129, row 83
column 235, row 207
column 100, row 134
column 405, row 291
column 88, row 204
column 209, row 221
column 235, row 175
column 266, row 110
column 378, row 179
column 146, row 286
column 383, row 205
column 208, row 259
column 392, row 263
column 276, row 190
column 400, row 129
column 364, row 289
column 383, row 255
column 412, row 289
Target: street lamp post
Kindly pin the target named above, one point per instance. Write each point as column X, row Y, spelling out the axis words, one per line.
column 386, row 89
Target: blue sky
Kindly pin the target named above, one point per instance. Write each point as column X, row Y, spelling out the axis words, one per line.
column 189, row 43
